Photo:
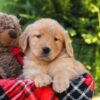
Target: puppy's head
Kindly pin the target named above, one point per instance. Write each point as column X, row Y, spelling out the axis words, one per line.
column 9, row 30
column 46, row 39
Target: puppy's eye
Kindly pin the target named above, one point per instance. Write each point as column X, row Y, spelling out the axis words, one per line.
column 56, row 39
column 38, row 36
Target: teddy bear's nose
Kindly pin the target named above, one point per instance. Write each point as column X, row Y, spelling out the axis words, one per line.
column 13, row 34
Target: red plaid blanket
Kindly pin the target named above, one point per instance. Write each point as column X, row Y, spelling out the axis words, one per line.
column 18, row 89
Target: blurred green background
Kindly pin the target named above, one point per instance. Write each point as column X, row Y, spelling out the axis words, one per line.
column 80, row 17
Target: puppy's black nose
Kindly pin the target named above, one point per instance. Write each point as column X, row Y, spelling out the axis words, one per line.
column 46, row 50
column 13, row 34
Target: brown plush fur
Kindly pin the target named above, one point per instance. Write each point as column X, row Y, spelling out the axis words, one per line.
column 10, row 31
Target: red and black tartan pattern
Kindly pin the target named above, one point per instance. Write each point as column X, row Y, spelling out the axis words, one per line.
column 80, row 89
column 18, row 89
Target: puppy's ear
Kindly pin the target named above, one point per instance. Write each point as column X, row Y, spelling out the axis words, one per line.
column 68, row 45
column 23, row 41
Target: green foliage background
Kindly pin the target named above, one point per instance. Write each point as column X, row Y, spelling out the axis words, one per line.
column 80, row 17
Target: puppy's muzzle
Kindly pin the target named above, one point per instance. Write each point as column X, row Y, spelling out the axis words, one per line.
column 12, row 34
column 46, row 51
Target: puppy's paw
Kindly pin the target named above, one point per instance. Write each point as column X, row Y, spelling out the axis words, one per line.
column 60, row 84
column 42, row 80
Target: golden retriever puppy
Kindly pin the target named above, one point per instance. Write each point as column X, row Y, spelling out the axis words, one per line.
column 49, row 55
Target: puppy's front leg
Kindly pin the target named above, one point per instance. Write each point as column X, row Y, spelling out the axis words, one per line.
column 60, row 82
column 42, row 80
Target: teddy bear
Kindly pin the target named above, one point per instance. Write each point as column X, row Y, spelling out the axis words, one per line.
column 10, row 31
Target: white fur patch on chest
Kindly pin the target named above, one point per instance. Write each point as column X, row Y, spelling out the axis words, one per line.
column 30, row 69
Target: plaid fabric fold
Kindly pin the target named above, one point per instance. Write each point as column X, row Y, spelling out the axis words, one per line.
column 18, row 89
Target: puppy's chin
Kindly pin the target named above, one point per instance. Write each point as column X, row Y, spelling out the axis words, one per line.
column 45, row 58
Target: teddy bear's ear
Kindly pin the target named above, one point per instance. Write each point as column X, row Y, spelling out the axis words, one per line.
column 68, row 45
column 23, row 41
column 15, row 19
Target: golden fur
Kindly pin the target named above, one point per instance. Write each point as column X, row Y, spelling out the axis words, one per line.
column 59, row 66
